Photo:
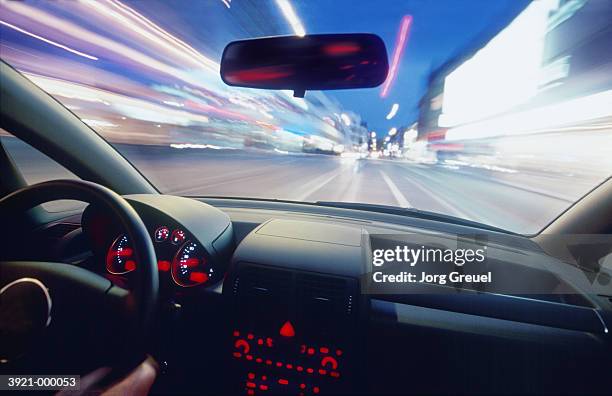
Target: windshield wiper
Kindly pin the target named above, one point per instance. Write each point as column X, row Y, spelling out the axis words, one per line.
column 411, row 212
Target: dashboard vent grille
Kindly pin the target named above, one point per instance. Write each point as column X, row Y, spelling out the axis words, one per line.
column 255, row 280
column 329, row 294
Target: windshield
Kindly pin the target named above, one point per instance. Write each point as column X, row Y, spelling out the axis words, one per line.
column 498, row 112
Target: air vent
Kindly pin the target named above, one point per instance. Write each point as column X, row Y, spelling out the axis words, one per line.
column 327, row 294
column 256, row 281
column 60, row 230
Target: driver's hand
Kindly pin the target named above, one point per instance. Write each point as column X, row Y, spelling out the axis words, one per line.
column 138, row 382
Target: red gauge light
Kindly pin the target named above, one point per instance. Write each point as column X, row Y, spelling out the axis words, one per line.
column 190, row 266
column 163, row 265
column 120, row 256
column 178, row 237
column 161, row 234
column 198, row 277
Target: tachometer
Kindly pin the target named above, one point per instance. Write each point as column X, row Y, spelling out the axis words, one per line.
column 191, row 266
column 120, row 256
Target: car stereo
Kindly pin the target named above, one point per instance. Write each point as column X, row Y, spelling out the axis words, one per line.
column 292, row 332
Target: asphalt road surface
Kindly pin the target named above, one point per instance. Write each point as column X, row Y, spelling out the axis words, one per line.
column 523, row 201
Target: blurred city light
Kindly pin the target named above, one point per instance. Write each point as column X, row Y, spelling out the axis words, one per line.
column 538, row 120
column 393, row 111
column 503, row 74
column 392, row 131
column 345, row 119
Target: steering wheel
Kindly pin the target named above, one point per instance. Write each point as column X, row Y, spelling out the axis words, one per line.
column 36, row 297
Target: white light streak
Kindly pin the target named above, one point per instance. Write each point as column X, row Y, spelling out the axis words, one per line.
column 79, row 53
column 291, row 17
column 393, row 111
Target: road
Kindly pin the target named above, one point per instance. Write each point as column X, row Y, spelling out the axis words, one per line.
column 523, row 201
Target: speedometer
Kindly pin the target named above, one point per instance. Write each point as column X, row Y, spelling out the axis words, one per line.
column 120, row 256
column 191, row 266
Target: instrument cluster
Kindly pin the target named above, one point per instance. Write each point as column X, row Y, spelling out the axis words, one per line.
column 181, row 257
column 193, row 242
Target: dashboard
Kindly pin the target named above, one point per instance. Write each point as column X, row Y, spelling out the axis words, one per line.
column 261, row 301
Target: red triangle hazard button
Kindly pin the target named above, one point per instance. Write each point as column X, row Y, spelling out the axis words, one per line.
column 287, row 330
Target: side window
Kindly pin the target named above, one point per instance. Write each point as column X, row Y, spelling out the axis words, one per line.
column 37, row 167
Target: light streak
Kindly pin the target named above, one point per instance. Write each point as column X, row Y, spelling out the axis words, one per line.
column 393, row 111
column 400, row 44
column 20, row 30
column 174, row 40
column 291, row 17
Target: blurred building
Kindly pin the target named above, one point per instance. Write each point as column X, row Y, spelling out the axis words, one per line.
column 553, row 52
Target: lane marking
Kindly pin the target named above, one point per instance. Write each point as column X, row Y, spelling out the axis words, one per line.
column 457, row 212
column 399, row 197
column 316, row 187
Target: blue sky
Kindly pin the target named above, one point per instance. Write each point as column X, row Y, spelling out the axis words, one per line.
column 440, row 29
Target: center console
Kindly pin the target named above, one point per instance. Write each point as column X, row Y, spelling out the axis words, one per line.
column 295, row 307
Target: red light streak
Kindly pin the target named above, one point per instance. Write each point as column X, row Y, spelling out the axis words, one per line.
column 400, row 45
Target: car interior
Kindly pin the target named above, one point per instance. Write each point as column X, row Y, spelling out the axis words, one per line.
column 255, row 296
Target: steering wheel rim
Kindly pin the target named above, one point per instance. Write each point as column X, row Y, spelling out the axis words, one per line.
column 145, row 289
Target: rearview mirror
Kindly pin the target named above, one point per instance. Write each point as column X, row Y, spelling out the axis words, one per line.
column 312, row 62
